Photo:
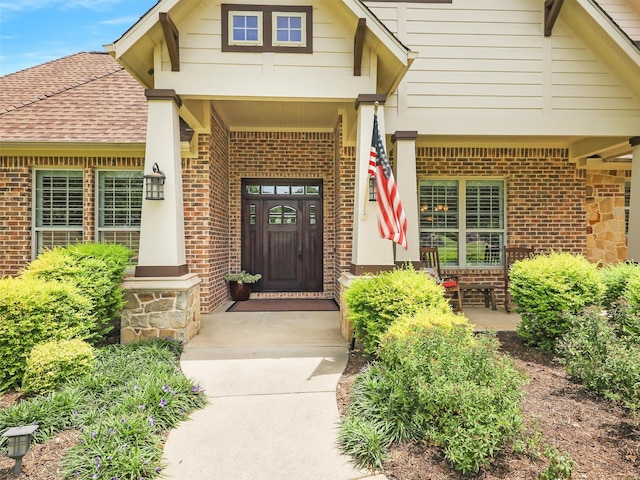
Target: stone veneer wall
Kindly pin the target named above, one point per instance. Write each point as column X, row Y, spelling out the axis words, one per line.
column 606, row 239
column 160, row 308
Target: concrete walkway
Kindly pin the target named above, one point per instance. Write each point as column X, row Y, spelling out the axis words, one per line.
column 271, row 380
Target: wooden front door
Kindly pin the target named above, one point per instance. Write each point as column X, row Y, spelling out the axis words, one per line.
column 282, row 234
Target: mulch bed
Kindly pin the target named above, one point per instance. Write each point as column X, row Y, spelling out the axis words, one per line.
column 601, row 437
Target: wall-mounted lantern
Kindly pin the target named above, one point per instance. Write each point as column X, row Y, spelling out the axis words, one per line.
column 154, row 183
column 18, row 444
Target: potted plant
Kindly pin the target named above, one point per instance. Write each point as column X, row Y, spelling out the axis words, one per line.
column 240, row 284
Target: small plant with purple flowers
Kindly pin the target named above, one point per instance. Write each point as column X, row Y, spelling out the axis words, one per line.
column 123, row 409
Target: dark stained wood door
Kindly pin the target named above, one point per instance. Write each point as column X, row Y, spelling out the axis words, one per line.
column 282, row 235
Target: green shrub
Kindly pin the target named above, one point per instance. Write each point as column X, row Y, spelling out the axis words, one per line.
column 375, row 302
column 546, row 287
column 32, row 311
column 52, row 363
column 615, row 278
column 97, row 269
column 439, row 385
column 604, row 362
column 632, row 290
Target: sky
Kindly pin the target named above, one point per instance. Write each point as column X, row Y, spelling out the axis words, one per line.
column 37, row 31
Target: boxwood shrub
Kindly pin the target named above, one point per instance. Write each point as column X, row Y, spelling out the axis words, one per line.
column 97, row 269
column 33, row 310
column 548, row 286
column 51, row 363
column 375, row 302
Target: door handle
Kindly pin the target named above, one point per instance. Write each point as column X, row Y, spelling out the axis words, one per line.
column 300, row 250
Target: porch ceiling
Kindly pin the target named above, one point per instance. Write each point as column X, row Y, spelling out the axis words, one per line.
column 278, row 115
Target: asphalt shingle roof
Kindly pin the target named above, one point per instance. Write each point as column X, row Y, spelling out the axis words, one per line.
column 86, row 97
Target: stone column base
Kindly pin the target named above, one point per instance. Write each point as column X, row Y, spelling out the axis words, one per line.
column 160, row 307
column 346, row 328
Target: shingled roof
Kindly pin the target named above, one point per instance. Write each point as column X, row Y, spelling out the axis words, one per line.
column 86, row 97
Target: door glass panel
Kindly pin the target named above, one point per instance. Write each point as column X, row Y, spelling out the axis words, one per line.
column 312, row 214
column 268, row 189
column 252, row 214
column 299, row 190
column 313, row 190
column 283, row 189
column 253, row 189
column 282, row 215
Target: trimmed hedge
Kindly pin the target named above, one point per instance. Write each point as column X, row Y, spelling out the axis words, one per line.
column 615, row 278
column 548, row 286
column 97, row 269
column 33, row 310
column 375, row 302
column 52, row 363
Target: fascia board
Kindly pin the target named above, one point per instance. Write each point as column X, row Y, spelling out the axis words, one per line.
column 612, row 30
column 395, row 46
column 142, row 26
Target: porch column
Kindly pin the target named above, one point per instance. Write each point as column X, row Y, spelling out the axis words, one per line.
column 162, row 244
column 407, row 181
column 633, row 240
column 370, row 253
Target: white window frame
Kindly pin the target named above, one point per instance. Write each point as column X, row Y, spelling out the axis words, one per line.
column 39, row 230
column 627, row 206
column 130, row 229
column 245, row 13
column 462, row 230
column 289, row 43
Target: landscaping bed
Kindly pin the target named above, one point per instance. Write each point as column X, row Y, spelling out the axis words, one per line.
column 599, row 436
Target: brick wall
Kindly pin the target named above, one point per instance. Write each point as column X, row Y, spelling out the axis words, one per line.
column 16, row 175
column 545, row 196
column 606, row 239
column 283, row 155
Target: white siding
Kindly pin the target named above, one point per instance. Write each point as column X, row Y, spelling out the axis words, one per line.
column 626, row 13
column 491, row 58
column 201, row 56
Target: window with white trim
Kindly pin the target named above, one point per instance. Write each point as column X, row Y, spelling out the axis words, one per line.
column 627, row 205
column 289, row 29
column 465, row 219
column 119, row 207
column 246, row 28
column 58, row 208
column 267, row 28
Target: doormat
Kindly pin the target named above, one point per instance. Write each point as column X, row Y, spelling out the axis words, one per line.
column 284, row 305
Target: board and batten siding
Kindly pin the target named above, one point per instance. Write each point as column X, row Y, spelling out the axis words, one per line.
column 626, row 13
column 228, row 73
column 490, row 58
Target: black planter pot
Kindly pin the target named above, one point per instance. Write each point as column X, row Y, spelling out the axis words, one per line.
column 239, row 291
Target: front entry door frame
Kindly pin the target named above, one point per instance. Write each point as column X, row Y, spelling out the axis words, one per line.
column 282, row 233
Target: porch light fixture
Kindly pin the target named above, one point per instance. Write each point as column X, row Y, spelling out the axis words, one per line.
column 18, row 444
column 154, row 183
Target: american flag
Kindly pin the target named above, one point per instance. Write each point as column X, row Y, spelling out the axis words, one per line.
column 392, row 222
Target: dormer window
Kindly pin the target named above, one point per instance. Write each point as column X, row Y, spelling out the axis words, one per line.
column 246, row 28
column 267, row 28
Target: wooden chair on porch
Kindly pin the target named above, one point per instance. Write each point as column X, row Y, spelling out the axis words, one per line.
column 431, row 260
column 512, row 255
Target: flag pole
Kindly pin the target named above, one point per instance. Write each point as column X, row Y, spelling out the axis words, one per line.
column 366, row 188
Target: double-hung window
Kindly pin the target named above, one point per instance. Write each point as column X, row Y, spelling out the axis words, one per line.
column 119, row 207
column 58, row 208
column 465, row 219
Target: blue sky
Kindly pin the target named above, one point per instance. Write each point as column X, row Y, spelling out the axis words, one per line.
column 37, row 31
